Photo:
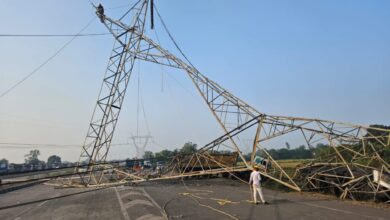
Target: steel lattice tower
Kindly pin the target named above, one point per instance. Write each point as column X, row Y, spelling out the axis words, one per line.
column 354, row 148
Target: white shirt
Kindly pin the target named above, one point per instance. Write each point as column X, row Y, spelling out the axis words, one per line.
column 255, row 178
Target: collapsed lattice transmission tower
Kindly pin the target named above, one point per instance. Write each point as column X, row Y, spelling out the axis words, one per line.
column 355, row 153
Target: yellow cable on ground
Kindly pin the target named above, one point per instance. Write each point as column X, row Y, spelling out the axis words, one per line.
column 219, row 201
column 212, row 208
column 224, row 201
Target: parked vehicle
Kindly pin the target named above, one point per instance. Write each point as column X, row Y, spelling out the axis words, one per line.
column 147, row 164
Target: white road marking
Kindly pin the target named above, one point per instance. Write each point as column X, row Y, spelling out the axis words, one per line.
column 24, row 211
column 122, row 188
column 124, row 211
column 18, row 216
column 150, row 217
column 138, row 202
column 154, row 202
column 28, row 209
column 40, row 204
column 131, row 193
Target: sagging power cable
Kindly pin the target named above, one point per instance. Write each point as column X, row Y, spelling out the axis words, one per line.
column 171, row 37
column 55, row 35
column 32, row 145
column 46, row 61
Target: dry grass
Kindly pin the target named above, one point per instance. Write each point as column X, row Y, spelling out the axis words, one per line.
column 288, row 164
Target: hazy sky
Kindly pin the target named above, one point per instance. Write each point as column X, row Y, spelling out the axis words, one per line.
column 320, row 59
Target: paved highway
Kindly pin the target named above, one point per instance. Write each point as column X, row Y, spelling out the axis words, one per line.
column 195, row 199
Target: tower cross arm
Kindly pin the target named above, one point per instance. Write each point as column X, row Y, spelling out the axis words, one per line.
column 155, row 53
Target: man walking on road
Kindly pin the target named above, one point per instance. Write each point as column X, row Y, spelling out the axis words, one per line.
column 255, row 182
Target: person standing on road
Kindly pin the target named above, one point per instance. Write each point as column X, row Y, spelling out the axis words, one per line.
column 254, row 180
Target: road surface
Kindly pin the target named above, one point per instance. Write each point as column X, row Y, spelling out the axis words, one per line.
column 191, row 199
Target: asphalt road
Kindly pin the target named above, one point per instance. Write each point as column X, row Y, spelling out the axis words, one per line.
column 195, row 199
column 39, row 174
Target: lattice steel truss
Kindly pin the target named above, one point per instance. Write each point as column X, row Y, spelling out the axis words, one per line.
column 109, row 104
column 354, row 149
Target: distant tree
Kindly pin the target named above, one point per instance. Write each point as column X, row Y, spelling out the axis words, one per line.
column 321, row 150
column 300, row 152
column 164, row 155
column 32, row 157
column 383, row 135
column 148, row 155
column 188, row 148
column 53, row 160
column 283, row 154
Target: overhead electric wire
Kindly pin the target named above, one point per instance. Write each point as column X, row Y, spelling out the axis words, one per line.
column 178, row 48
column 171, row 37
column 113, row 7
column 54, row 35
column 119, row 6
column 161, row 66
column 128, row 11
column 37, row 145
column 144, row 114
column 46, row 61
column 140, row 103
column 138, row 91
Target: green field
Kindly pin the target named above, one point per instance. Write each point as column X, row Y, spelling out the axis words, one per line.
column 290, row 165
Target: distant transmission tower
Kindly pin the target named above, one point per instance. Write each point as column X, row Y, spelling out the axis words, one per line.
column 140, row 143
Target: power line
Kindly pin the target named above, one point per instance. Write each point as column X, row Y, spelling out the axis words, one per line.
column 171, row 37
column 114, row 7
column 55, row 35
column 119, row 6
column 144, row 113
column 30, row 144
column 68, row 35
column 138, row 91
column 38, row 145
column 167, row 73
column 46, row 61
column 161, row 66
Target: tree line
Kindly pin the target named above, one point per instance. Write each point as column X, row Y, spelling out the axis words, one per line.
column 285, row 153
column 32, row 159
column 322, row 150
column 166, row 155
